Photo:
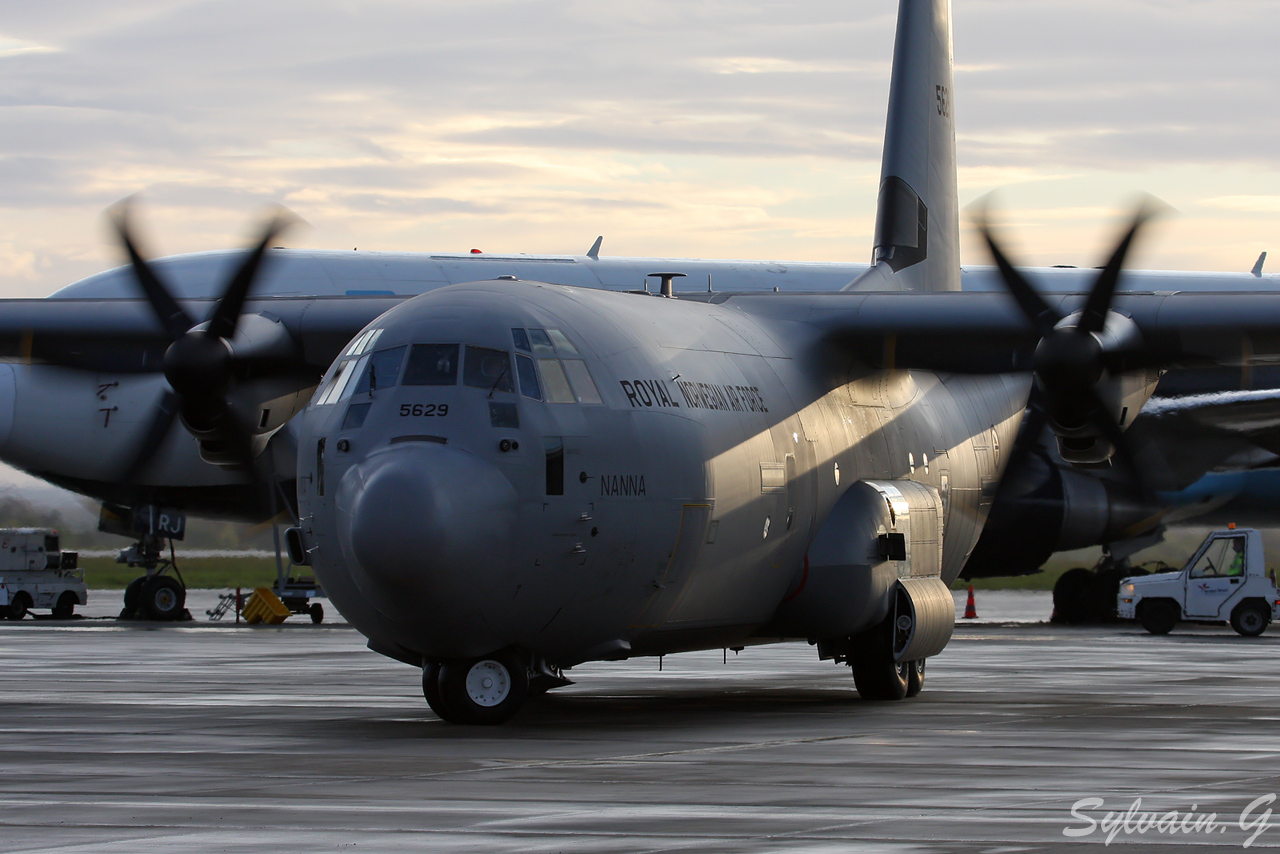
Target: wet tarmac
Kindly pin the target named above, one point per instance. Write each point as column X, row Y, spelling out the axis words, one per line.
column 134, row 738
column 994, row 606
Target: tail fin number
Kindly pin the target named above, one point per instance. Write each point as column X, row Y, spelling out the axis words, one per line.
column 944, row 100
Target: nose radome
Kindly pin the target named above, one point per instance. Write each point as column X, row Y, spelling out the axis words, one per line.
column 426, row 531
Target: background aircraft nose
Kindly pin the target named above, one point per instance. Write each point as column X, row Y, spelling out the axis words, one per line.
column 426, row 531
column 8, row 401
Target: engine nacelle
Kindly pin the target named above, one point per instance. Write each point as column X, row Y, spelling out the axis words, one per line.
column 1046, row 508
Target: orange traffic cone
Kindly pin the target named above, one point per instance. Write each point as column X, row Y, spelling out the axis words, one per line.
column 970, row 610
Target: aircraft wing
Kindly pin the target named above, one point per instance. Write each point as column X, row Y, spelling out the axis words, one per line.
column 986, row 333
column 123, row 335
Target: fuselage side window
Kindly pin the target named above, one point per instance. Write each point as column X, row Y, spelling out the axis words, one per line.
column 432, row 364
column 488, row 369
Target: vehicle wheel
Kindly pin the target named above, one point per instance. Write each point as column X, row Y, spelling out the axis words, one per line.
column 487, row 690
column 19, row 605
column 1074, row 596
column 163, row 598
column 1250, row 619
column 317, row 613
column 66, row 607
column 133, row 597
column 1158, row 617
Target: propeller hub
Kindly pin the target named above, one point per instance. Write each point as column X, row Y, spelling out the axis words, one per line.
column 198, row 365
column 1067, row 359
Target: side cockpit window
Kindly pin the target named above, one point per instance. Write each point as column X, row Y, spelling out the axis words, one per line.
column 529, row 385
column 432, row 364
column 561, row 375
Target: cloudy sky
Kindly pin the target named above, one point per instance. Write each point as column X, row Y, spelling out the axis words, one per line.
column 697, row 128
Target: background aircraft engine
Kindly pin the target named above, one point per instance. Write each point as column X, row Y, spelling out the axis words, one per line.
column 1044, row 507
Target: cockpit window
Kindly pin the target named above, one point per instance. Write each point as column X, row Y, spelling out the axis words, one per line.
column 383, row 370
column 521, row 339
column 557, row 384
column 432, row 364
column 562, row 343
column 529, row 385
column 333, row 392
column 542, row 345
column 488, row 369
column 580, row 378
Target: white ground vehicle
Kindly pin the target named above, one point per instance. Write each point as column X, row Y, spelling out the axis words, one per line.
column 1226, row 581
column 36, row 573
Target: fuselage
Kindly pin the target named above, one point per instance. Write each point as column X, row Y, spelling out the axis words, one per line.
column 73, row 427
column 588, row 472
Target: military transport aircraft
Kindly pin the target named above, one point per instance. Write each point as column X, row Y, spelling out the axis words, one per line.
column 499, row 480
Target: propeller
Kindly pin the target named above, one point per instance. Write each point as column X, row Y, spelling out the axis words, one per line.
column 1077, row 355
column 202, row 364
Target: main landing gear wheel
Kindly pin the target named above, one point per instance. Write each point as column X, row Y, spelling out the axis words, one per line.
column 163, row 598
column 915, row 677
column 1250, row 619
column 875, row 674
column 317, row 613
column 1158, row 617
column 483, row 691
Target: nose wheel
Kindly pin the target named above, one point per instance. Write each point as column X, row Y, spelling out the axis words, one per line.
column 478, row 691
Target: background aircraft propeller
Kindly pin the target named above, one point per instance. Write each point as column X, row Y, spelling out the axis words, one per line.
column 201, row 364
column 1071, row 361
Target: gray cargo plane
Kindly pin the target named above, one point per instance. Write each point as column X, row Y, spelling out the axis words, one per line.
column 502, row 479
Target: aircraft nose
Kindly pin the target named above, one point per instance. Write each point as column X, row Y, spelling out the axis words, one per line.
column 426, row 531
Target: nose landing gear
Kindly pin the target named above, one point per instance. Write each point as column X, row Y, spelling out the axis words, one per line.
column 479, row 691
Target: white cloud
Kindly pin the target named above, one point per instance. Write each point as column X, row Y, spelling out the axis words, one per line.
column 695, row 127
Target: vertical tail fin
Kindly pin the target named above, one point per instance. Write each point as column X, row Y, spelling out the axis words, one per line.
column 917, row 237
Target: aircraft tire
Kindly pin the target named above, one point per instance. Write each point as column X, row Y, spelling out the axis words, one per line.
column 431, row 691
column 1158, row 616
column 317, row 613
column 163, row 598
column 483, row 691
column 18, row 606
column 133, row 597
column 915, row 677
column 875, row 674
column 1250, row 619
column 66, row 607
column 1074, row 597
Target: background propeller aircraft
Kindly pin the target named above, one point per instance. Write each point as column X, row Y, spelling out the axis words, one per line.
column 498, row 480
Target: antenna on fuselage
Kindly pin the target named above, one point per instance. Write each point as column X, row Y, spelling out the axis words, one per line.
column 666, row 281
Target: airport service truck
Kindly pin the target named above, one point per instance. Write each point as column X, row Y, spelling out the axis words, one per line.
column 36, row 573
column 1225, row 581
